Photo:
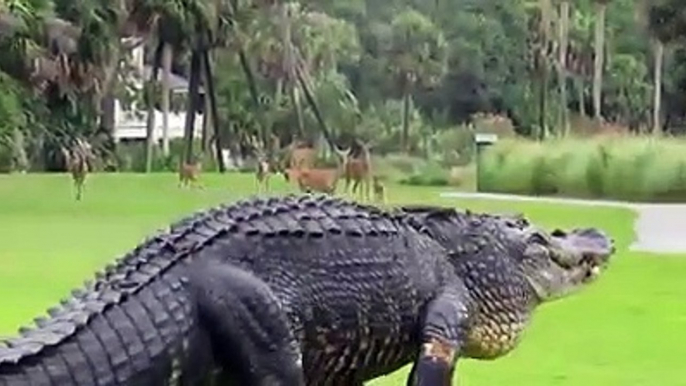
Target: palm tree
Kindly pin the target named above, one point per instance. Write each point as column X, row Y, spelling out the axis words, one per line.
column 659, row 46
column 193, row 98
column 563, row 43
column 187, row 25
column 173, row 29
column 167, row 58
column 545, row 32
column 239, row 42
column 170, row 30
column 69, row 52
column 417, row 56
column 210, row 93
column 288, row 64
column 163, row 57
column 659, row 19
column 72, row 52
column 540, row 48
column 205, row 19
column 15, row 40
column 580, row 55
column 598, row 65
column 289, row 69
column 149, row 90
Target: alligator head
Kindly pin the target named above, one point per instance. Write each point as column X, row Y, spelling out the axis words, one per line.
column 554, row 263
column 560, row 262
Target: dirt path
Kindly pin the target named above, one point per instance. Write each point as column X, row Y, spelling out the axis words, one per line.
column 659, row 228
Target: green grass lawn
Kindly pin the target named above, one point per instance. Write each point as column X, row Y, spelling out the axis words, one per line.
column 627, row 329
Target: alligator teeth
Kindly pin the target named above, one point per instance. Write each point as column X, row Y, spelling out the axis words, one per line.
column 592, row 271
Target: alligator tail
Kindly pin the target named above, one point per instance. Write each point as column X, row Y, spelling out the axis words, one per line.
column 149, row 339
column 133, row 324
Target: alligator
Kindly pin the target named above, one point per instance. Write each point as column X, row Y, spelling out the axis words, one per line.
column 306, row 290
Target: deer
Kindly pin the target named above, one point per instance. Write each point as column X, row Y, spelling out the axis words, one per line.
column 298, row 155
column 359, row 171
column 322, row 180
column 189, row 172
column 379, row 189
column 263, row 169
column 76, row 159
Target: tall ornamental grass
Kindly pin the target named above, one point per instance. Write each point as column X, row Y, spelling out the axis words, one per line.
column 623, row 168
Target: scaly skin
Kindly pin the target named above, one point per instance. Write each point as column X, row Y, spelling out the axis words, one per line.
column 306, row 290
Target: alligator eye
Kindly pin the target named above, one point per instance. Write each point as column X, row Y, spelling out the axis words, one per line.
column 558, row 233
column 538, row 238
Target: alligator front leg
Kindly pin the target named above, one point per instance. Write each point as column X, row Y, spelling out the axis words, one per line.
column 443, row 334
column 251, row 336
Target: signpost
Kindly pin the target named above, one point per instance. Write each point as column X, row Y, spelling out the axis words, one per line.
column 482, row 140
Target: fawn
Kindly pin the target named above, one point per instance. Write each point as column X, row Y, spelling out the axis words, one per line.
column 263, row 168
column 358, row 170
column 263, row 172
column 189, row 173
column 379, row 189
column 76, row 159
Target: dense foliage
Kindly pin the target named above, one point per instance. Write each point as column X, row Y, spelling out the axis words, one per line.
column 414, row 76
column 621, row 168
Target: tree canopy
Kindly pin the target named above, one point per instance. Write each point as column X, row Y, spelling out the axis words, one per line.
column 404, row 73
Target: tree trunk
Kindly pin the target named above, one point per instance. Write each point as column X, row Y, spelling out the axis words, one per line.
column 289, row 67
column 297, row 105
column 37, row 160
column 598, row 60
column 108, row 114
column 167, row 56
column 111, row 70
column 406, row 123
column 21, row 160
column 150, row 124
column 542, row 65
column 278, row 93
column 206, row 124
column 657, row 103
column 212, row 97
column 315, row 109
column 582, row 98
column 252, row 86
column 562, row 66
column 192, row 104
column 542, row 105
column 107, row 101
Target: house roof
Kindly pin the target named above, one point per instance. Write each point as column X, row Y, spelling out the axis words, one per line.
column 178, row 83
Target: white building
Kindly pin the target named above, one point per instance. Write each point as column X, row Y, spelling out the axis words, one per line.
column 131, row 125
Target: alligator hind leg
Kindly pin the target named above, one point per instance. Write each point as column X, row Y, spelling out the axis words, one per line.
column 443, row 334
column 251, row 336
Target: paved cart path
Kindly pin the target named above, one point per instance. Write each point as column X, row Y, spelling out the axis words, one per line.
column 660, row 228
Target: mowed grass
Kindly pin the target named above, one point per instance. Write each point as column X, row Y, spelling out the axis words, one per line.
column 627, row 329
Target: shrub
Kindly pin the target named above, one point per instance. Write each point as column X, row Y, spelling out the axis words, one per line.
column 454, row 147
column 626, row 168
column 402, row 163
column 431, row 174
column 461, row 176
